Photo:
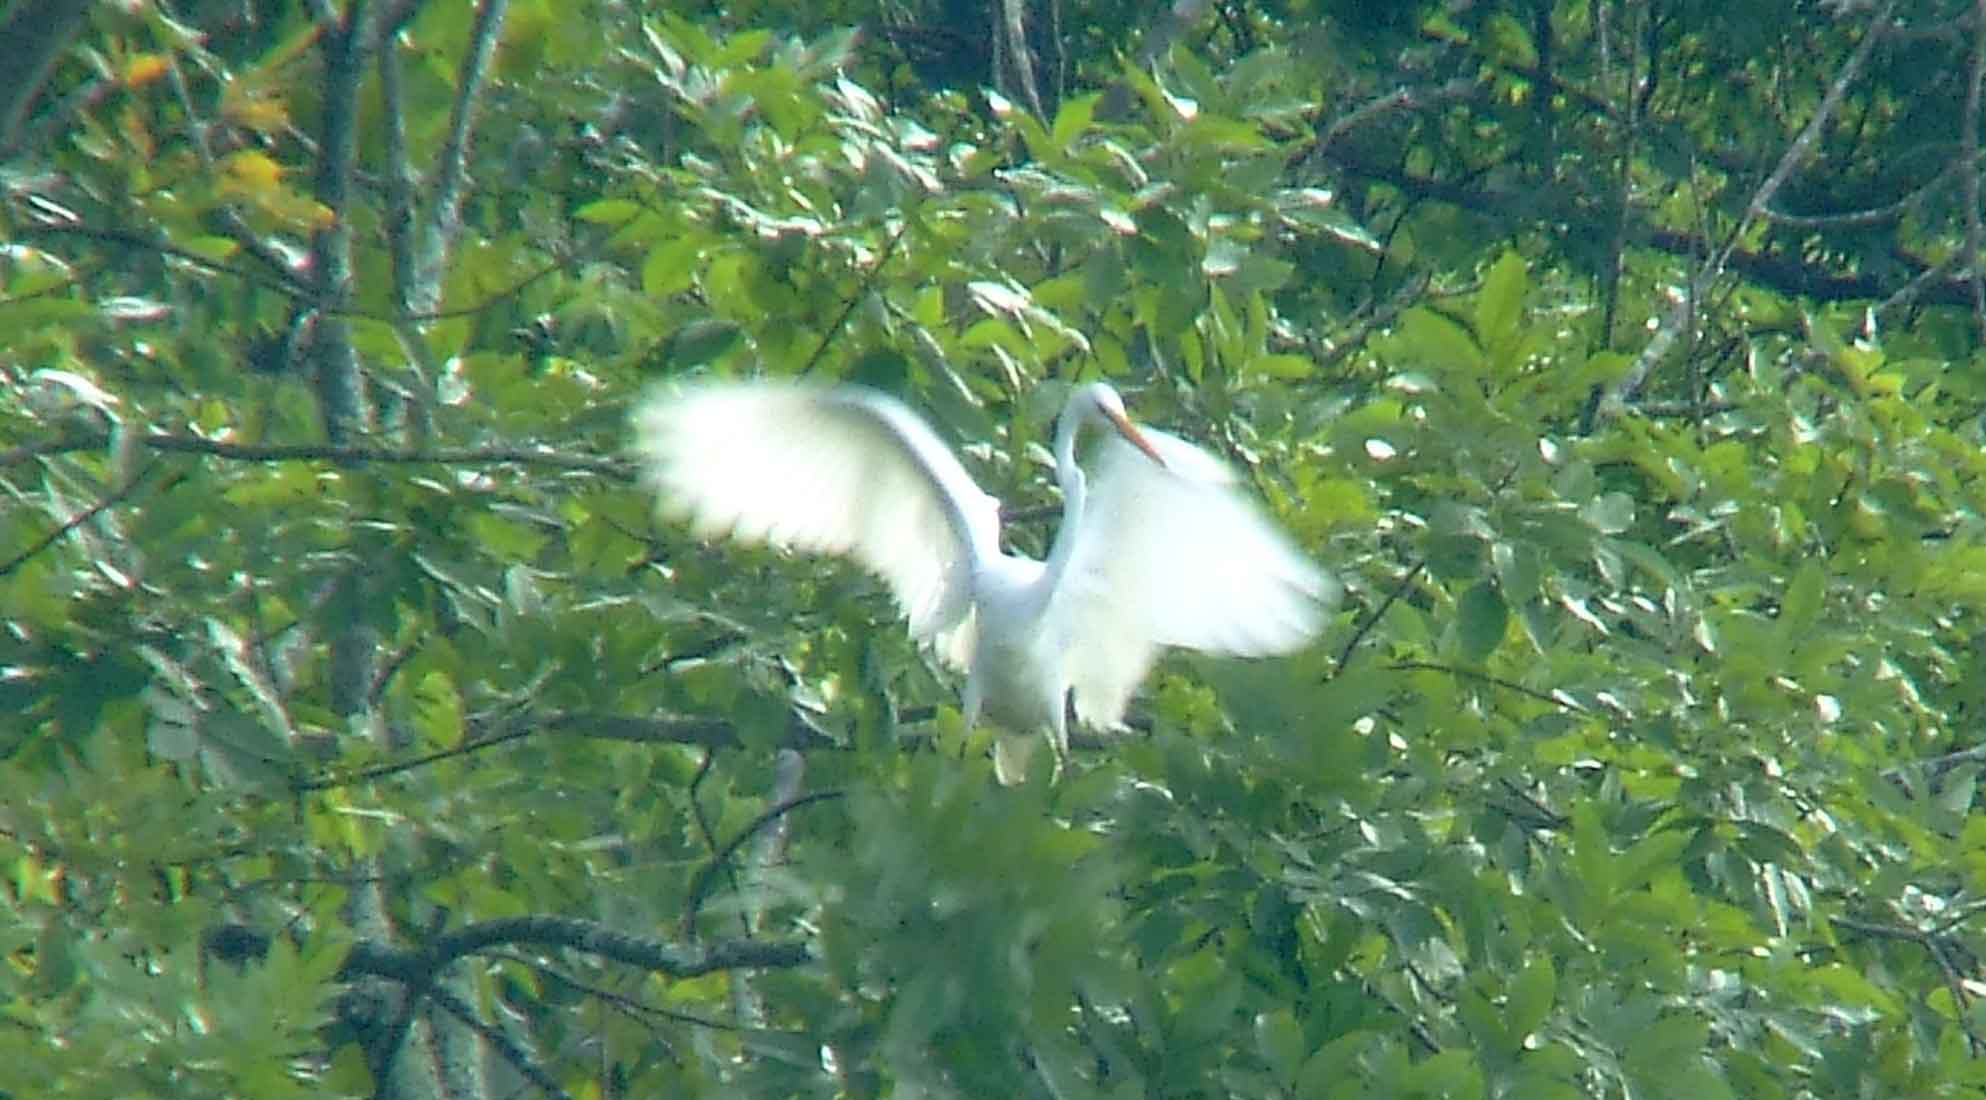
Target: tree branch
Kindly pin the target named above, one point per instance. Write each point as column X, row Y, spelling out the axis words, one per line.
column 1797, row 153
column 520, row 1059
column 710, row 733
column 1493, row 681
column 1358, row 635
column 439, row 229
column 700, row 885
column 341, row 389
column 31, row 40
column 342, row 455
column 86, row 515
column 418, row 966
column 1975, row 238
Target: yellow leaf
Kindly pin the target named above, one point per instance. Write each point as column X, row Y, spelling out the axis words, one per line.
column 251, row 171
column 260, row 110
column 145, row 68
column 256, row 178
column 38, row 881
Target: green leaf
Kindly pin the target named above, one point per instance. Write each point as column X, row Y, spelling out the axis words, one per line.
column 1956, row 790
column 1072, row 118
column 671, row 266
column 1531, row 996
column 1802, row 605
column 172, row 733
column 701, row 342
column 1279, row 1038
column 1428, row 338
column 609, row 211
column 1481, row 617
column 438, row 710
column 1452, row 1074
column 1285, row 367
column 1500, row 305
column 1609, row 513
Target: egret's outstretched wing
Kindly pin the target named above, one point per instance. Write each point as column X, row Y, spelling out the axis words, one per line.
column 1177, row 556
column 842, row 471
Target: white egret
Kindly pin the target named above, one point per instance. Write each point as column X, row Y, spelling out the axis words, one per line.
column 1159, row 549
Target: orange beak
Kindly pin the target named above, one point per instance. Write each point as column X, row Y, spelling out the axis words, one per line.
column 1132, row 435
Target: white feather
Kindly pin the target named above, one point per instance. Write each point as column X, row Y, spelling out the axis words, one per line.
column 1156, row 556
column 1176, row 556
column 837, row 471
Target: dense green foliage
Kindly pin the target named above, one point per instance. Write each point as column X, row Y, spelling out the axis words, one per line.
column 363, row 735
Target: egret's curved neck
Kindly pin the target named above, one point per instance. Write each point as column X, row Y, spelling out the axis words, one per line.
column 1074, row 491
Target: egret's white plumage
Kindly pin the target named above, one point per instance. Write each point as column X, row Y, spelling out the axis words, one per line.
column 1160, row 549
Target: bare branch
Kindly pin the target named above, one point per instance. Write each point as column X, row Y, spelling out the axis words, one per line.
column 1797, row 153
column 700, row 886
column 789, row 770
column 520, row 1059
column 347, row 456
column 402, row 183
column 418, row 967
column 1013, row 59
column 1975, row 237
column 86, row 515
column 439, row 229
column 1493, row 681
column 1378, row 613
column 1874, row 215
column 341, row 390
column 1400, row 99
column 32, row 38
column 710, row 733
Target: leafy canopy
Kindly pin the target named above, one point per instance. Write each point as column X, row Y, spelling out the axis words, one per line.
column 358, row 709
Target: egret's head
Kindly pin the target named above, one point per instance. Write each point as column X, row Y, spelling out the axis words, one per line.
column 1101, row 404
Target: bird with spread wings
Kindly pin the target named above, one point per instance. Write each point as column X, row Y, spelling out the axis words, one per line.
column 1159, row 548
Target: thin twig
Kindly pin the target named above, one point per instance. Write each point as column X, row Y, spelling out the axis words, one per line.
column 720, row 858
column 1937, row 947
column 1486, row 678
column 1399, row 99
column 85, row 516
column 1552, row 818
column 710, row 733
column 520, row 1059
column 343, row 455
column 385, row 771
column 1874, row 215
column 1378, row 613
column 868, row 287
column 1759, row 207
column 631, row 1007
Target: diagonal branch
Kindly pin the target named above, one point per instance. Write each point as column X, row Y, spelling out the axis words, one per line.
column 32, row 37
column 444, row 220
column 520, row 1059
column 122, row 494
column 1758, row 208
column 777, row 812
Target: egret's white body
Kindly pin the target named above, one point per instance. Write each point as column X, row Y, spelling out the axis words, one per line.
column 1159, row 549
